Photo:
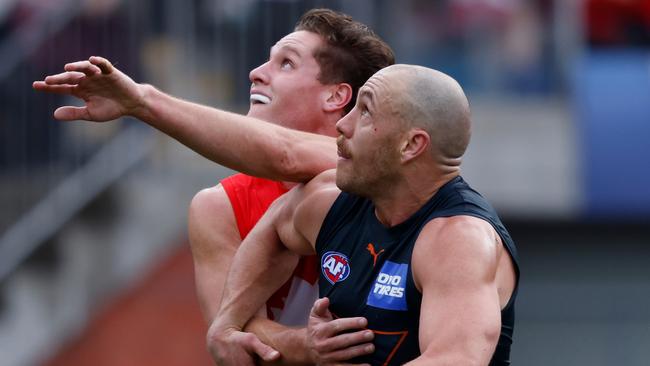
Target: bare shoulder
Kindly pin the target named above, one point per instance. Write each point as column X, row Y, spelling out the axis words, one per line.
column 461, row 229
column 322, row 187
column 323, row 180
column 212, row 205
column 214, row 197
column 464, row 247
column 299, row 214
column 211, row 219
column 316, row 200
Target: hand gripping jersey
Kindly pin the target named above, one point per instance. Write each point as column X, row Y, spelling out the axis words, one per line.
column 366, row 269
column 250, row 197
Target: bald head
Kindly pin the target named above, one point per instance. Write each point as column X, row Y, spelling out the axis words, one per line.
column 433, row 101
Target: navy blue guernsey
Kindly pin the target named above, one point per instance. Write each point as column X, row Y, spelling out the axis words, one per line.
column 366, row 269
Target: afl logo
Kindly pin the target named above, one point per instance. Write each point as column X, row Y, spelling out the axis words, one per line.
column 336, row 267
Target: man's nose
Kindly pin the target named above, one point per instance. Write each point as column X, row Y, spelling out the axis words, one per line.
column 259, row 74
column 344, row 125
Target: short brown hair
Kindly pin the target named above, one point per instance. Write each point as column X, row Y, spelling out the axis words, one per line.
column 353, row 52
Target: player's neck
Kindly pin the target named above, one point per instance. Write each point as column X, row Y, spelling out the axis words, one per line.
column 405, row 198
column 326, row 125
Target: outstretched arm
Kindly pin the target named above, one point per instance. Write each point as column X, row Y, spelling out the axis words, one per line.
column 455, row 263
column 241, row 143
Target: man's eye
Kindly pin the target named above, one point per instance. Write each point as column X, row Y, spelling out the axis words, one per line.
column 364, row 111
column 286, row 64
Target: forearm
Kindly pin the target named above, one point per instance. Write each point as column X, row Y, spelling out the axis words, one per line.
column 290, row 342
column 239, row 142
column 260, row 266
column 244, row 295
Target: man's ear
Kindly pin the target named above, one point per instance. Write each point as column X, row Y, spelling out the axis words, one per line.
column 416, row 143
column 337, row 97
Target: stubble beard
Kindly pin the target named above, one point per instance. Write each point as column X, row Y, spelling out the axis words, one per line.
column 372, row 179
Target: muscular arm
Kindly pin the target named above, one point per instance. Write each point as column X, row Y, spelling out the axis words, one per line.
column 214, row 240
column 241, row 143
column 455, row 263
column 286, row 230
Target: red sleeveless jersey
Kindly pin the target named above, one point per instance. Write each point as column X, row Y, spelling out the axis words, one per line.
column 250, row 197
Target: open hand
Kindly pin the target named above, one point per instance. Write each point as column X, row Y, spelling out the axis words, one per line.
column 107, row 92
column 333, row 341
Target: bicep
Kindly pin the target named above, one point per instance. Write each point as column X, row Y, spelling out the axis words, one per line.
column 301, row 211
column 460, row 325
column 214, row 240
column 455, row 266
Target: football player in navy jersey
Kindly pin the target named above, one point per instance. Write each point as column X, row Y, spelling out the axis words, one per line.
column 408, row 249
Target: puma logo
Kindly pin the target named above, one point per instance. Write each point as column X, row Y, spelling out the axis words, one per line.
column 373, row 253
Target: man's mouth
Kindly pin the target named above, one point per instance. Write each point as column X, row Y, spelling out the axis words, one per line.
column 342, row 151
column 259, row 99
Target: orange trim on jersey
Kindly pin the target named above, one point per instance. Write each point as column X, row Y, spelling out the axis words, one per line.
column 403, row 333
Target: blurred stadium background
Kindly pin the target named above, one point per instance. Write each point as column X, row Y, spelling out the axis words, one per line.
column 94, row 263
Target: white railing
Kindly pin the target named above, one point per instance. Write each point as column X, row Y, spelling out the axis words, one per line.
column 114, row 159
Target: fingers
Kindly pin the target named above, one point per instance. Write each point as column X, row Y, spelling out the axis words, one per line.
column 104, row 65
column 69, row 113
column 75, row 71
column 320, row 308
column 334, row 327
column 56, row 89
column 69, row 77
column 85, row 67
column 349, row 353
column 345, row 340
column 264, row 351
